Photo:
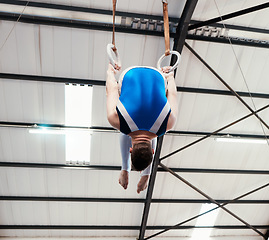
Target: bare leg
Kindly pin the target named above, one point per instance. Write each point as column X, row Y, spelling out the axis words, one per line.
column 143, row 182
column 125, row 144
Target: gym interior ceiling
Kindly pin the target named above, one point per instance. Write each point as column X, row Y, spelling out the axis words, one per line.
column 48, row 46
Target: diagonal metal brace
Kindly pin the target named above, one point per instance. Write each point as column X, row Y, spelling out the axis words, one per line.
column 226, row 84
column 199, row 215
column 209, row 135
column 211, row 200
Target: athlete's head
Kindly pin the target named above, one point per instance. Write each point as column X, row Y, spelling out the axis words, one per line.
column 141, row 155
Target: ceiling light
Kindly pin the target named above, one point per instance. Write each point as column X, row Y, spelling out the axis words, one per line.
column 44, row 130
column 231, row 139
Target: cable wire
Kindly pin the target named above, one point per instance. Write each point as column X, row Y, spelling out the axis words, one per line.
column 14, row 26
column 240, row 68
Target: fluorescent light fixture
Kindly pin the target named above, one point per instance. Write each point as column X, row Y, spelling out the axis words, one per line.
column 44, row 130
column 231, row 139
column 208, row 219
column 52, row 131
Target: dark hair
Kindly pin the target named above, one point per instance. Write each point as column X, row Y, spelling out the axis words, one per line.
column 141, row 155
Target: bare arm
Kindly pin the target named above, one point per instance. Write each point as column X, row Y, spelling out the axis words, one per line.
column 112, row 97
column 172, row 99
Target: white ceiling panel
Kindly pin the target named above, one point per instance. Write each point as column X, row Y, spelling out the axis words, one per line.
column 244, row 69
column 212, row 154
column 9, row 54
column 19, row 145
column 74, row 213
column 209, row 113
column 150, row 7
column 60, row 182
column 32, row 102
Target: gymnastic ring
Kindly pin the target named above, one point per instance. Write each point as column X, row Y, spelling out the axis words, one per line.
column 175, row 65
column 113, row 62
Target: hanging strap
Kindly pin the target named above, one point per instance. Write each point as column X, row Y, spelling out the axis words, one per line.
column 166, row 28
column 113, row 35
column 111, row 48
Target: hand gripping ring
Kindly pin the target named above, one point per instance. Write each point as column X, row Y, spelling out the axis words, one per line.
column 109, row 50
column 175, row 65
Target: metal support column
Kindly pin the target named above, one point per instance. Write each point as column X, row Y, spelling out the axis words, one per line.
column 179, row 41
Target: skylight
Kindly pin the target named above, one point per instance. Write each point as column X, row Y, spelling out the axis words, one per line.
column 78, row 109
column 205, row 220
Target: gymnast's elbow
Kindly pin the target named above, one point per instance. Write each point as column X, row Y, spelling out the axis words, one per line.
column 113, row 119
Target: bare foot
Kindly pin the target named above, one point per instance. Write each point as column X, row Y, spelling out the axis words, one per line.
column 143, row 183
column 124, row 179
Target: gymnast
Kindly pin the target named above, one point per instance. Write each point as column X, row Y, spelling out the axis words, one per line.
column 143, row 106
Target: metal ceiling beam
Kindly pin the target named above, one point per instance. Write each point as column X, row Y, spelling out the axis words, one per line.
column 38, row 78
column 74, row 23
column 122, row 200
column 179, row 39
column 121, row 13
column 54, row 6
column 221, row 92
column 52, row 126
column 120, row 227
column 118, row 168
column 196, row 133
column 230, row 15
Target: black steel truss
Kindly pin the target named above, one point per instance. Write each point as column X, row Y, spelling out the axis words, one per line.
column 118, row 168
column 117, row 227
column 123, row 200
column 74, row 23
column 38, row 78
column 216, row 133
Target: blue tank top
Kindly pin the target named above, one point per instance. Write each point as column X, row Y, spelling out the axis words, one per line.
column 143, row 104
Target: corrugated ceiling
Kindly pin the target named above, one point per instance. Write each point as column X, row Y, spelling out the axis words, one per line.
column 91, row 198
